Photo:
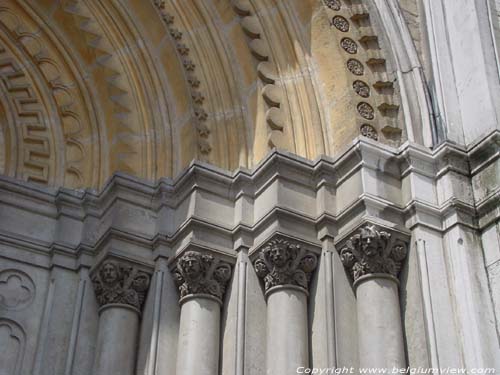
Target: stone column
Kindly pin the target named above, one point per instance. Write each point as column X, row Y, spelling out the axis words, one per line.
column 120, row 290
column 374, row 260
column 286, row 269
column 202, row 281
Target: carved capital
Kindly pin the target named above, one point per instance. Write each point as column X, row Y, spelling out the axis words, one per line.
column 372, row 251
column 120, row 283
column 198, row 273
column 282, row 262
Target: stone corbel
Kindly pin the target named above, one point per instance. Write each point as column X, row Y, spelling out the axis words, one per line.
column 374, row 256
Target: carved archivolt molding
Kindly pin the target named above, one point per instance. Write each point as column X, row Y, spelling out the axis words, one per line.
column 283, row 262
column 83, row 97
column 267, row 70
column 364, row 43
column 50, row 106
column 201, row 274
column 33, row 139
column 371, row 251
column 200, row 114
column 120, row 283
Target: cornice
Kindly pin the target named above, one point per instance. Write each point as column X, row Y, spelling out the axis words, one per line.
column 242, row 207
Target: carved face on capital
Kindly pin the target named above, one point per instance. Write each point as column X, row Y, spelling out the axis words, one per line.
column 369, row 243
column 141, row 282
column 109, row 273
column 222, row 273
column 278, row 255
column 191, row 266
column 260, row 268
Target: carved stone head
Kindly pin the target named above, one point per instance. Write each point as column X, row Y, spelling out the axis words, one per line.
column 198, row 273
column 372, row 251
column 110, row 273
column 283, row 262
column 371, row 242
column 278, row 254
column 141, row 282
column 120, row 283
column 191, row 265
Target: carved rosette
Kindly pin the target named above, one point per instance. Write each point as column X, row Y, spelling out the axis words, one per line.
column 201, row 274
column 282, row 263
column 120, row 283
column 371, row 251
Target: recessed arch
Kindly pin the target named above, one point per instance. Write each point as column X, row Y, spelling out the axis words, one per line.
column 146, row 87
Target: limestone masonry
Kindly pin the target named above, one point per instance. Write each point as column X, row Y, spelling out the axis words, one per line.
column 249, row 187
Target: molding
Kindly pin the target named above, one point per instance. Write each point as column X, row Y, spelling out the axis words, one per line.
column 211, row 209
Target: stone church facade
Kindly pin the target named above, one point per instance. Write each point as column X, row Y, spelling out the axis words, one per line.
column 248, row 187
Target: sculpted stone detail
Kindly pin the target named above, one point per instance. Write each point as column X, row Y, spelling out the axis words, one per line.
column 35, row 146
column 120, row 283
column 371, row 251
column 355, row 67
column 333, row 4
column 282, row 262
column 349, row 45
column 198, row 273
column 340, row 23
column 200, row 115
column 366, row 111
column 361, row 89
column 13, row 339
column 267, row 71
column 17, row 290
column 370, row 52
column 368, row 131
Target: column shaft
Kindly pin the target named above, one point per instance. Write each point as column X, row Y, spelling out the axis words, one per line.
column 116, row 343
column 287, row 335
column 199, row 332
column 202, row 280
column 379, row 323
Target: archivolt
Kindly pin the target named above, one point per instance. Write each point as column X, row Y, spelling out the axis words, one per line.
column 145, row 87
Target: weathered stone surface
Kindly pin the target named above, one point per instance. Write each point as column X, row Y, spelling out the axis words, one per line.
column 107, row 109
column 198, row 273
column 120, row 283
column 283, row 262
column 372, row 252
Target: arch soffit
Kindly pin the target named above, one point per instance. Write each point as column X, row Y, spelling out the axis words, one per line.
column 145, row 87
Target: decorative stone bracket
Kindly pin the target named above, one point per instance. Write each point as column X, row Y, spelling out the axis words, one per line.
column 117, row 282
column 373, row 251
column 283, row 262
column 201, row 274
